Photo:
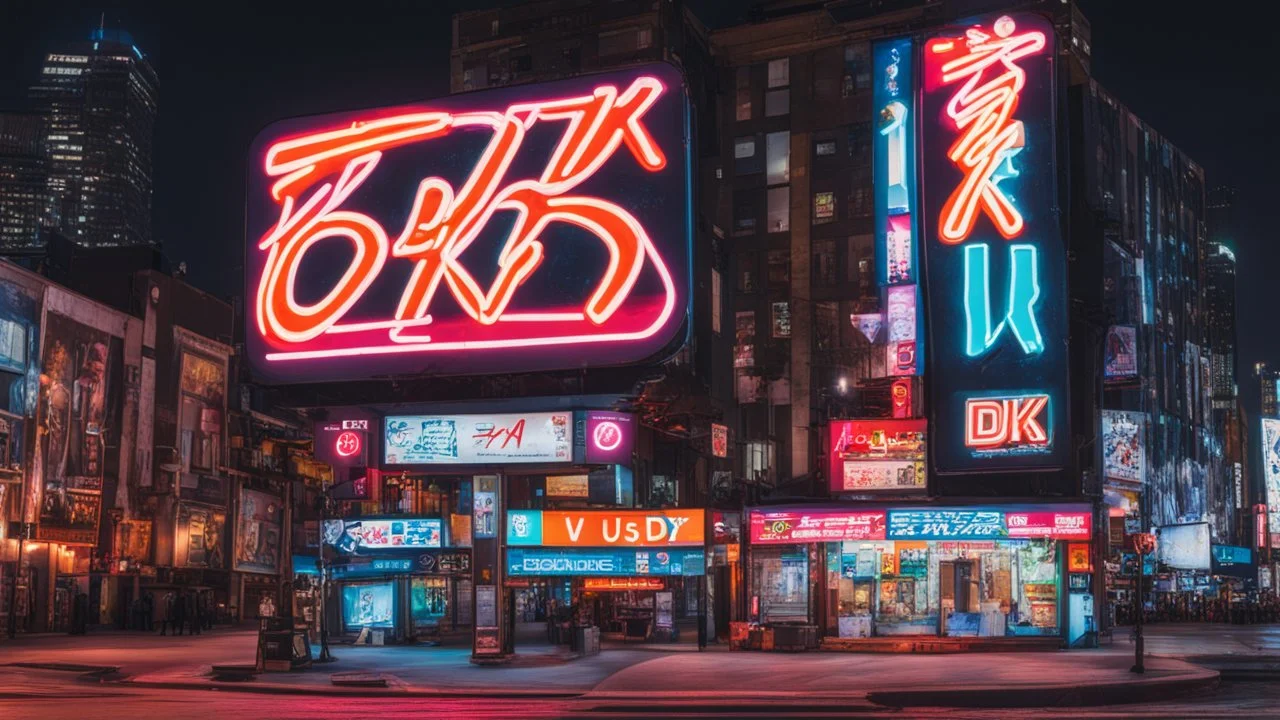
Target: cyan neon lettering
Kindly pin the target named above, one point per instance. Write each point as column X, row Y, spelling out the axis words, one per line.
column 1024, row 291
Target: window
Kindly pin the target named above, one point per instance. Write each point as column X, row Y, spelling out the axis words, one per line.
column 746, row 158
column 862, row 268
column 716, row 301
column 743, row 101
column 618, row 42
column 781, row 313
column 13, row 345
column 474, row 78
column 644, row 38
column 777, row 102
column 744, row 213
column 757, row 462
column 860, row 202
column 826, row 327
column 860, row 144
column 777, row 148
column 857, row 67
column 824, row 148
column 824, row 263
column 824, row 208
column 779, row 73
column 747, row 272
column 779, row 268
column 520, row 64
column 779, row 209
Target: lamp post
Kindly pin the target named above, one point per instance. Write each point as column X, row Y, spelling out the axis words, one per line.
column 1143, row 545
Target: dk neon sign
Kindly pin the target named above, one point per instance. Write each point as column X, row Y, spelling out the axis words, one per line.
column 447, row 235
column 994, row 245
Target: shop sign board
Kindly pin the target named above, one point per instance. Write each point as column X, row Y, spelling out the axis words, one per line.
column 945, row 524
column 995, row 263
column 478, row 439
column 521, row 229
column 353, row 536
column 610, row 437
column 619, row 584
column 1054, row 524
column 604, row 562
column 875, row 455
column 568, row 486
column 866, row 475
column 787, row 527
column 606, row 528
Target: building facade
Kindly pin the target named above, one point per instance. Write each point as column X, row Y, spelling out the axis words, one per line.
column 99, row 98
column 24, row 179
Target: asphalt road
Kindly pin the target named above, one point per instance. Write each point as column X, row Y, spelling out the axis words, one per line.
column 53, row 695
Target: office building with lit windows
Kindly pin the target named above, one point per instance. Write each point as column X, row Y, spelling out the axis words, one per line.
column 24, row 177
column 98, row 99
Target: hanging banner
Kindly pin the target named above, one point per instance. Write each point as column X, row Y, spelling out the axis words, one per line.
column 995, row 260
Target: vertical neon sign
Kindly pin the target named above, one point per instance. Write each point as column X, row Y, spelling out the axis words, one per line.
column 995, row 260
column 894, row 171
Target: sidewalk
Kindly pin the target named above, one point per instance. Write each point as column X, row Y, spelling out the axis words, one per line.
column 634, row 677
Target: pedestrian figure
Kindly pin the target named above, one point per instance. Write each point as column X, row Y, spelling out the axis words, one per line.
column 179, row 613
column 148, row 608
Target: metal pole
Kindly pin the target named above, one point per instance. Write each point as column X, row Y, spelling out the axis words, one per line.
column 1138, row 607
column 325, row 656
column 13, row 585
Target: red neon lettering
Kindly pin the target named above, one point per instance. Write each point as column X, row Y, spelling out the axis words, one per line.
column 995, row 423
column 515, row 432
column 316, row 173
column 983, row 110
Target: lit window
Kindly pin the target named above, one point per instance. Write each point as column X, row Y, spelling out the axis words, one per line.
column 779, row 73
column 779, row 209
column 824, row 208
column 824, row 148
column 777, row 148
column 744, row 148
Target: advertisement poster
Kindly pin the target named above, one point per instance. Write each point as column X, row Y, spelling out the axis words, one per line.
column 606, row 528
column 80, row 407
column 484, row 507
column 900, row 319
column 863, row 475
column 781, row 319
column 200, row 532
column 368, row 606
column 744, row 339
column 479, row 439
column 1271, row 471
column 893, row 157
column 1122, row 445
column 258, row 532
column 790, row 527
column 355, row 536
column 610, row 437
column 1185, row 547
column 133, row 541
column 662, row 610
column 868, row 324
column 1121, row 356
column 568, row 486
column 719, row 440
column 486, row 605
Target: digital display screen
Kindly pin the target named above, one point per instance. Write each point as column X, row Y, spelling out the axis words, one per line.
column 368, row 606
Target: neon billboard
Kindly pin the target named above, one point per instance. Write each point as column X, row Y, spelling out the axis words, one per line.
column 894, row 159
column 551, row 220
column 996, row 263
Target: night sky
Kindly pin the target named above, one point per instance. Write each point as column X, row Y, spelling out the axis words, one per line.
column 1200, row 79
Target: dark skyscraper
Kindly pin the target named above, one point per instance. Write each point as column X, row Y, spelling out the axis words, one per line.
column 1220, row 304
column 99, row 101
column 24, row 177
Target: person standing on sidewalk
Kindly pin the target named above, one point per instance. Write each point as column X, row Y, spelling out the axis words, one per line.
column 179, row 613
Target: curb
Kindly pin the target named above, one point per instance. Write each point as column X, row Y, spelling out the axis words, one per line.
column 1052, row 695
column 395, row 690
column 66, row 667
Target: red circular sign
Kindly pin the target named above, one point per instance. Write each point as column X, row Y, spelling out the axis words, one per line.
column 608, row 436
column 348, row 444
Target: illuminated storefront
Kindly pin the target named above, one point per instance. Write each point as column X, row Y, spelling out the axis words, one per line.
column 860, row 572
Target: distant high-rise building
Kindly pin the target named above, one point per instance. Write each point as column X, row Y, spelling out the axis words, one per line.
column 1220, row 213
column 99, row 102
column 1267, row 379
column 1220, row 304
column 24, row 178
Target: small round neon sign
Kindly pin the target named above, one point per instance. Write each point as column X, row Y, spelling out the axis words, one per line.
column 347, row 444
column 607, row 436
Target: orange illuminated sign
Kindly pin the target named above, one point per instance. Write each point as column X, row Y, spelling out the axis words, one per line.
column 606, row 528
column 607, row 584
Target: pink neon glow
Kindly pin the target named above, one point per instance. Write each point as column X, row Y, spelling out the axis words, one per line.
column 983, row 109
column 1005, row 422
column 443, row 223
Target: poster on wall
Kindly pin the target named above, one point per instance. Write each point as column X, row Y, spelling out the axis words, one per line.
column 995, row 261
column 1271, row 471
column 354, row 537
column 203, row 398
column 80, row 409
column 1121, row 353
column 484, row 507
column 866, row 475
column 1123, row 454
column 478, row 439
column 719, row 440
column 258, row 524
column 200, row 532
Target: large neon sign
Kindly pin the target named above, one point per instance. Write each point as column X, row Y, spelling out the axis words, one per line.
column 445, row 235
column 996, row 262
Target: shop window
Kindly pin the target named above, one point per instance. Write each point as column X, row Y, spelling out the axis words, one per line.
column 780, row 583
column 779, row 73
column 824, row 208
column 777, row 148
column 777, row 102
column 779, row 209
column 428, row 602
